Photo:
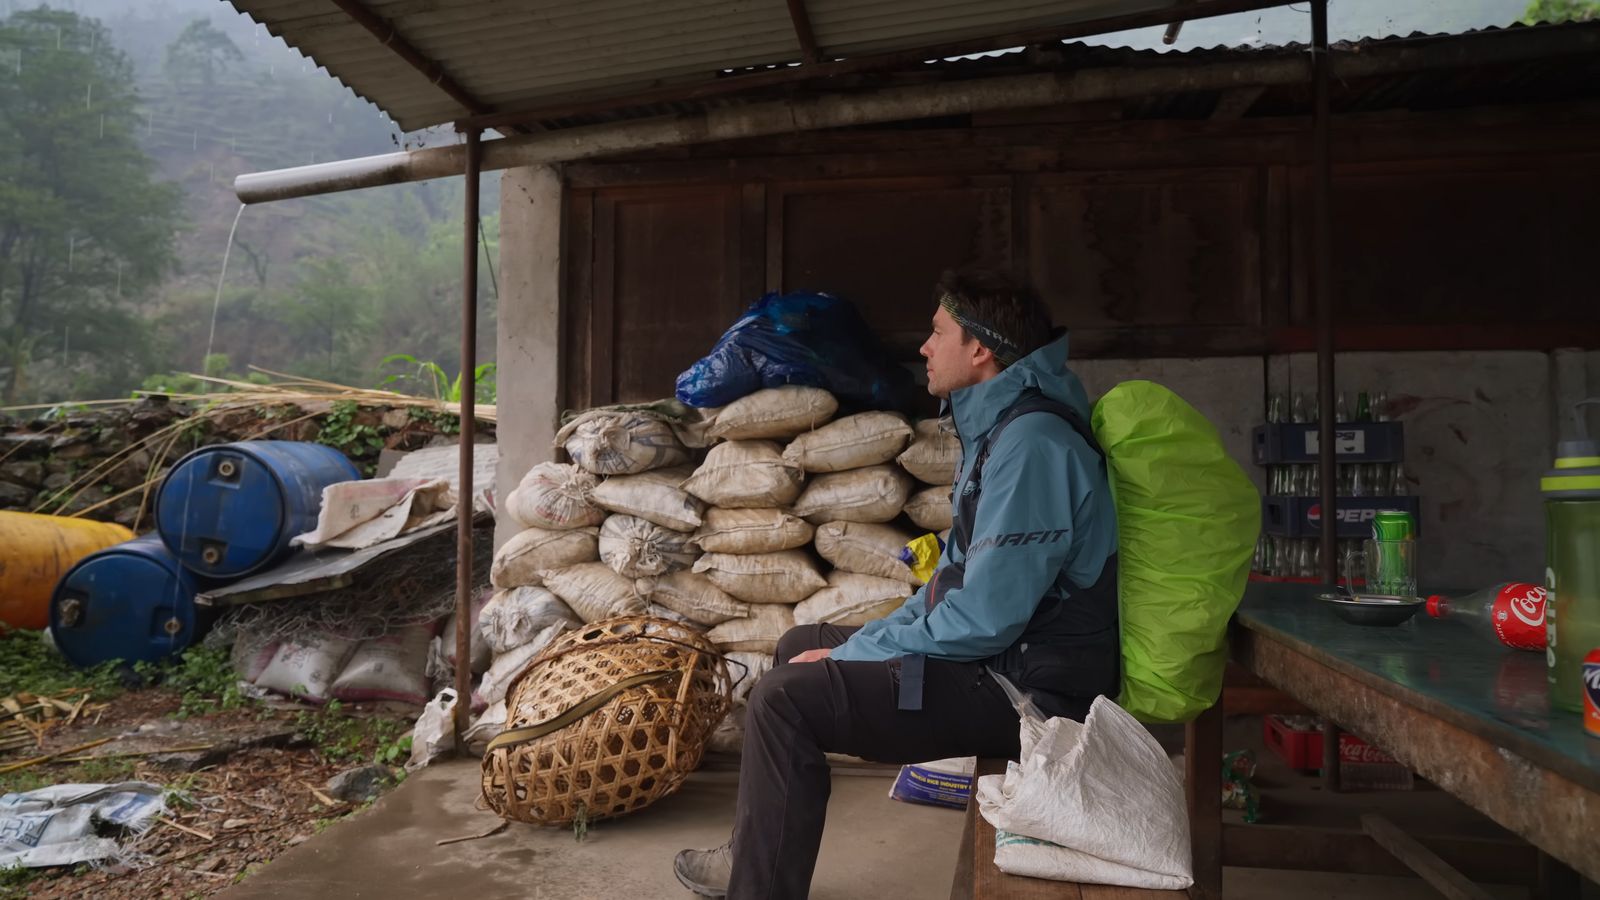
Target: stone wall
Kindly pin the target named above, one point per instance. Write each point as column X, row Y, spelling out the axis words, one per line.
column 106, row 463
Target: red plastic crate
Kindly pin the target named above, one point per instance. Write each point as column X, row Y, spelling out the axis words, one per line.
column 1361, row 765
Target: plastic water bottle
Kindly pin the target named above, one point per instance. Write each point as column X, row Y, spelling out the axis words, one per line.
column 1510, row 614
column 1572, row 560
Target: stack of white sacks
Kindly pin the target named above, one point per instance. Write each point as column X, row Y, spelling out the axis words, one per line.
column 791, row 517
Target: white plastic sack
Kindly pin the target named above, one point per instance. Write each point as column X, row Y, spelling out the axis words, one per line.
column 57, row 825
column 746, row 668
column 655, row 496
column 729, row 734
column 636, row 548
column 774, row 414
column 787, row 576
column 752, row 531
column 757, row 634
column 434, row 735
column 930, row 509
column 865, row 549
column 851, row 599
column 853, row 442
column 306, row 670
column 1101, row 791
column 746, row 475
column 594, row 591
column 556, row 496
column 392, row 667
column 514, row 617
column 445, row 662
column 507, row 666
column 617, row 442
column 935, row 453
column 485, row 728
column 524, row 555
column 873, row 494
column 693, row 596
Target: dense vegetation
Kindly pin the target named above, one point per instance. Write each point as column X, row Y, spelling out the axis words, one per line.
column 122, row 127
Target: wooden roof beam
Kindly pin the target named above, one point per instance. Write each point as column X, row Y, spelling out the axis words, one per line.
column 803, row 32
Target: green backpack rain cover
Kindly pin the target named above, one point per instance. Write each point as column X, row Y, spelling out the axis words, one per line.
column 1187, row 522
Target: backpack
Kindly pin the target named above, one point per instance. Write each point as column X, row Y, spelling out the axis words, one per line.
column 1187, row 522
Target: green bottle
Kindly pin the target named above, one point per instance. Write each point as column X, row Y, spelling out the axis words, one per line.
column 1572, row 563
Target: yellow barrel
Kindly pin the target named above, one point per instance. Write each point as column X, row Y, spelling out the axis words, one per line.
column 35, row 551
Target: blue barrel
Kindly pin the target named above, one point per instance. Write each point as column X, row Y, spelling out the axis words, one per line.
column 228, row 510
column 132, row 602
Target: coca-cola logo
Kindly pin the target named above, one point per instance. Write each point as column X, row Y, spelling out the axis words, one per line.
column 1528, row 604
column 1518, row 616
column 1357, row 751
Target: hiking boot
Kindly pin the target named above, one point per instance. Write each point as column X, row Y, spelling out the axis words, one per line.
column 705, row 872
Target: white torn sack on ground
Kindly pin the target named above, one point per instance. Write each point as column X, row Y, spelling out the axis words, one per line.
column 61, row 825
column 434, row 734
column 1094, row 802
column 360, row 514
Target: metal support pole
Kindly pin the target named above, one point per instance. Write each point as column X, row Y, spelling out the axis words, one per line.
column 1321, row 286
column 469, row 398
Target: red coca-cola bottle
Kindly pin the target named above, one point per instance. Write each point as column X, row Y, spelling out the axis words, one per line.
column 1510, row 614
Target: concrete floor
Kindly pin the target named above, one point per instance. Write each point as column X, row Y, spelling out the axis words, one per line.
column 874, row 847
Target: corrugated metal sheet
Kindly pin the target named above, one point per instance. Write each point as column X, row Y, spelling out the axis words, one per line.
column 509, row 53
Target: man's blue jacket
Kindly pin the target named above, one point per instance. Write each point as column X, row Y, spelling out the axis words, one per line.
column 1044, row 525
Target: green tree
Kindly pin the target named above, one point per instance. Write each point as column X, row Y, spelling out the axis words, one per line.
column 1561, row 11
column 85, row 229
column 200, row 53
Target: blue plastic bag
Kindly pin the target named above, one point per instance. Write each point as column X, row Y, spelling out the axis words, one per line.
column 815, row 340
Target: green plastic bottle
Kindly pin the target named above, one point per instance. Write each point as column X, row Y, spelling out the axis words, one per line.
column 1572, row 563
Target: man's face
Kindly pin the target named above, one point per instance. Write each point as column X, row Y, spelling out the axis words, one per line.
column 954, row 360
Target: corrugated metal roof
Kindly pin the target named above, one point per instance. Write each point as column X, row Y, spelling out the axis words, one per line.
column 511, row 53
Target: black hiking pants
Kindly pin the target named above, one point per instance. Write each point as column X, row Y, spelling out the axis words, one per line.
column 799, row 711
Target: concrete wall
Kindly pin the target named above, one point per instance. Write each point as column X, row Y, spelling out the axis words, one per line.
column 1480, row 430
column 528, row 343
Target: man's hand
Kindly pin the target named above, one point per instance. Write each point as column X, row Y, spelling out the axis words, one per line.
column 811, row 656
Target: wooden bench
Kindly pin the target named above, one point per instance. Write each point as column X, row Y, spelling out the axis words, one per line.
column 977, row 878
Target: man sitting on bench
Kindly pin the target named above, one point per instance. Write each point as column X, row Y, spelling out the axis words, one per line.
column 1027, row 588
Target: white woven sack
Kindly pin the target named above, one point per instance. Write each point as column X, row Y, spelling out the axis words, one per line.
column 555, row 496
column 594, row 591
column 729, row 736
column 1103, row 792
column 507, row 666
column 520, row 559
column 851, row 599
column 864, row 439
column 746, row 668
column 653, row 496
column 635, row 548
column 787, row 576
column 614, row 442
column 935, row 453
column 865, row 549
column 746, row 475
column 774, row 413
column 514, row 617
column 757, row 634
column 752, row 531
column 694, row 597
column 873, row 494
column 930, row 509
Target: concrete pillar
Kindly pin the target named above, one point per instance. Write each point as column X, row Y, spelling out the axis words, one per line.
column 528, row 338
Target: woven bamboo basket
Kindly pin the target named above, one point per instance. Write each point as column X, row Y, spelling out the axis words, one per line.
column 606, row 720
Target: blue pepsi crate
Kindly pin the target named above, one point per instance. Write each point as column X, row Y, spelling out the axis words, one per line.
column 1297, row 442
column 1301, row 517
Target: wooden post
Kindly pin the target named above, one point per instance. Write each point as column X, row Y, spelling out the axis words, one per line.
column 1202, row 757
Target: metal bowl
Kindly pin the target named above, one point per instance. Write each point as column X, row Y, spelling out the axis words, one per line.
column 1372, row 609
